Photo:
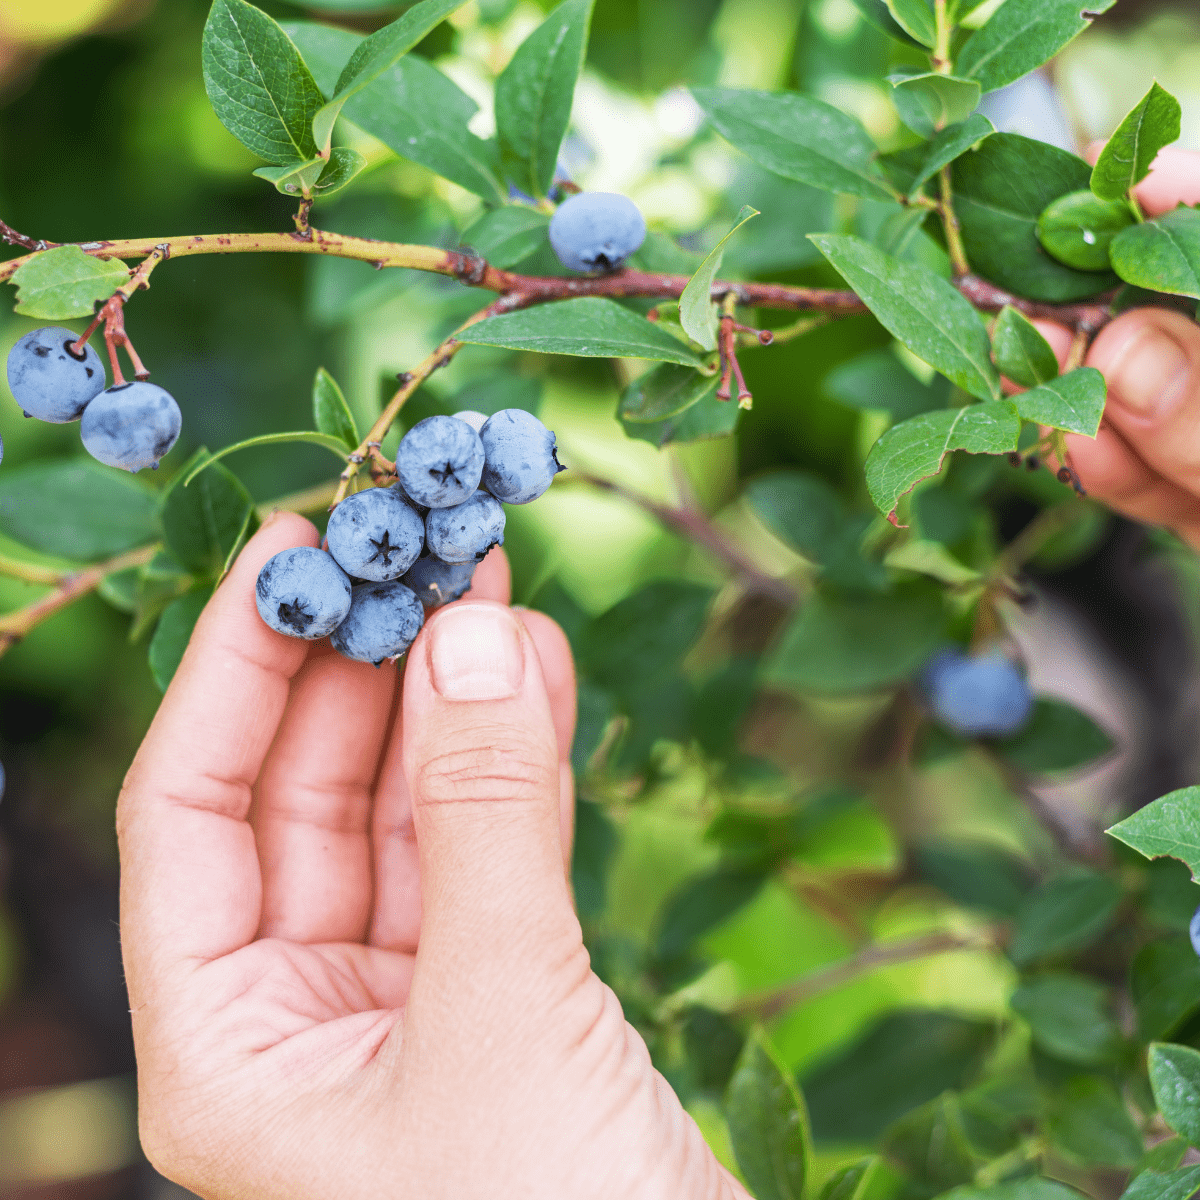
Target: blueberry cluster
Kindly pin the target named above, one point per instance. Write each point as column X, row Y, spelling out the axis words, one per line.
column 976, row 696
column 596, row 231
column 129, row 425
column 395, row 551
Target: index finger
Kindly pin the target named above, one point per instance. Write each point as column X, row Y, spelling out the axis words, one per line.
column 191, row 888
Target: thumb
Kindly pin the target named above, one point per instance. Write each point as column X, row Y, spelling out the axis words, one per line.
column 481, row 761
column 1151, row 360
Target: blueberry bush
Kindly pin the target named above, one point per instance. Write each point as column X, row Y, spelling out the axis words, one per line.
column 812, row 856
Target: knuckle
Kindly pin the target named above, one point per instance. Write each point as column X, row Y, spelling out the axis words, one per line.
column 495, row 766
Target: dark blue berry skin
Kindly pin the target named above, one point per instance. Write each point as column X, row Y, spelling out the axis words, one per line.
column 977, row 696
column 1194, row 931
column 303, row 593
column 466, row 532
column 440, row 462
column 596, row 231
column 520, row 456
column 131, row 426
column 436, row 582
column 383, row 622
column 376, row 534
column 48, row 381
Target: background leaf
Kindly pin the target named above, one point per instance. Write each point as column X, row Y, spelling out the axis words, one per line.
column 1162, row 255
column 666, row 391
column 1170, row 826
column 697, row 314
column 535, row 91
column 66, row 282
column 173, row 633
column 796, row 136
column 331, row 413
column 589, row 326
column 205, row 520
column 1125, row 160
column 1068, row 1016
column 1066, row 913
column 878, row 380
column 505, row 236
column 1057, row 737
column 1175, row 1078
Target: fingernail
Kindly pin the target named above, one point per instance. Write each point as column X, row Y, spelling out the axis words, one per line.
column 475, row 653
column 1150, row 373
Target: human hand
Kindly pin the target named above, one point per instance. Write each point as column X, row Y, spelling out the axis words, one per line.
column 1145, row 461
column 353, row 962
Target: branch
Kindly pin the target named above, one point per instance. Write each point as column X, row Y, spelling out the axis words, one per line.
column 695, row 526
column 765, row 1005
column 522, row 291
column 69, row 586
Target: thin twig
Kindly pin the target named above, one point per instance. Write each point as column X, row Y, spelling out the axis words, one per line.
column 954, row 241
column 765, row 1005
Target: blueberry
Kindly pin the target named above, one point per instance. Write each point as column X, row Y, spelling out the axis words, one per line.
column 49, row 381
column 303, row 593
column 476, row 420
column 596, row 231
column 977, row 696
column 384, row 620
column 436, row 582
column 376, row 534
column 1194, row 931
column 521, row 460
column 466, row 532
column 132, row 425
column 440, row 462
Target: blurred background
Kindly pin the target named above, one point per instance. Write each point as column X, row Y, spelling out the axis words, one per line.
column 105, row 131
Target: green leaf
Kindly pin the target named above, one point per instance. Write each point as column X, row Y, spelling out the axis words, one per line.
column 205, row 521
column 415, row 110
column 1089, row 1122
column 877, row 380
column 162, row 580
column 951, row 143
column 767, row 1123
column 376, row 54
column 333, row 444
column 1074, row 402
column 868, row 1179
column 331, row 413
column 595, row 847
column 1067, row 913
column 1020, row 350
column 344, row 166
column 535, row 91
column 708, row 418
column 173, row 633
column 1000, row 191
column 120, row 589
column 976, row 876
column 1162, row 255
column 505, row 236
column 931, row 1145
column 1069, row 1018
column 588, row 326
column 325, row 49
column 697, row 313
column 663, row 392
column 916, row 18
column 1078, row 229
column 1164, row 1157
column 702, row 903
column 1169, row 826
column 901, row 1061
column 645, row 635
column 920, row 309
column 855, row 643
column 915, row 449
column 1125, row 160
column 928, row 102
column 1172, row 1185
column 76, row 509
column 1164, row 982
column 1031, row 1187
column 1021, row 36
column 258, row 84
column 796, row 136
column 1056, row 738
column 66, row 282
column 295, row 178
column 1175, row 1078
column 878, row 14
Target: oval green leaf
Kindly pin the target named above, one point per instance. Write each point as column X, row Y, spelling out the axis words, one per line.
column 1078, row 229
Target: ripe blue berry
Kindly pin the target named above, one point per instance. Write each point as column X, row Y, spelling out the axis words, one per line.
column 376, row 534
column 48, row 380
column 596, row 231
column 303, row 593
column 383, row 622
column 440, row 462
column 436, row 582
column 466, row 532
column 132, row 425
column 1194, row 931
column 520, row 456
column 977, row 697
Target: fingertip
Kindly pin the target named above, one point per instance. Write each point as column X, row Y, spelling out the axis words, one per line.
column 1174, row 179
column 1149, row 358
column 492, row 579
column 558, row 670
